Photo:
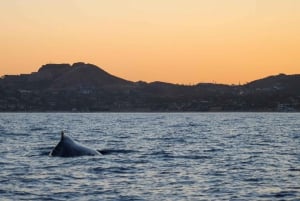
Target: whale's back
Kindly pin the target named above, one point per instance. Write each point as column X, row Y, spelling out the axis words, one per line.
column 67, row 147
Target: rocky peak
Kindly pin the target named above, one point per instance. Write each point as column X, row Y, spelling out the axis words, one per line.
column 54, row 67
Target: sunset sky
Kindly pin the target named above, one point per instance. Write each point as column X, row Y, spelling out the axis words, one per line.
column 178, row 41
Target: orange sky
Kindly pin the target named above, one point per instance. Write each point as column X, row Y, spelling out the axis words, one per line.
column 178, row 41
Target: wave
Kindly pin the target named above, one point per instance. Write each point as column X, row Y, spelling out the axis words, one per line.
column 115, row 151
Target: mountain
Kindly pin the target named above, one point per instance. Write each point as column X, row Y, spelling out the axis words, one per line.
column 64, row 77
column 86, row 87
column 287, row 83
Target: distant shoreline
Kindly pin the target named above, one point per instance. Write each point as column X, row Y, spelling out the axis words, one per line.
column 153, row 112
column 82, row 87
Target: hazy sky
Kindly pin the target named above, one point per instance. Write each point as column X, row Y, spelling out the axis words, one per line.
column 178, row 41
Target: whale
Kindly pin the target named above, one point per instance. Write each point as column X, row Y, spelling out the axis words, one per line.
column 67, row 147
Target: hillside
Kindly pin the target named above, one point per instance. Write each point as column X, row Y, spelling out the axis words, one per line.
column 287, row 83
column 64, row 77
column 86, row 87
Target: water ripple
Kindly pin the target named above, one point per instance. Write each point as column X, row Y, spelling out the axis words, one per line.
column 152, row 156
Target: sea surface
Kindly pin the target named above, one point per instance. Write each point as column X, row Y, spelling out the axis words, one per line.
column 152, row 156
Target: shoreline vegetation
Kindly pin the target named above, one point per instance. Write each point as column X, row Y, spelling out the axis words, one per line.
column 82, row 87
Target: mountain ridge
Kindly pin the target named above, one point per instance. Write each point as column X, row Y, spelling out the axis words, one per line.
column 86, row 87
column 49, row 71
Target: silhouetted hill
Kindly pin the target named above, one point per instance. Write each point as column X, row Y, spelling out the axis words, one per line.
column 86, row 87
column 65, row 76
column 82, row 75
column 281, row 82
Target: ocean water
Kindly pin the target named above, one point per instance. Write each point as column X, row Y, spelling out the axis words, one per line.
column 152, row 156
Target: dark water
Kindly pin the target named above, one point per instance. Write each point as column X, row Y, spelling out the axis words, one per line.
column 162, row 156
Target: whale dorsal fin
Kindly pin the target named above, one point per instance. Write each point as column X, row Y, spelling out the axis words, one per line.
column 62, row 134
